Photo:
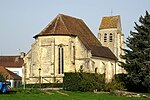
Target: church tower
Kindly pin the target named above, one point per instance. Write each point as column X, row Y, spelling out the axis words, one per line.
column 110, row 35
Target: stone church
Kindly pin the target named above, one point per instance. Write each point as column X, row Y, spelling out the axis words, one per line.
column 66, row 44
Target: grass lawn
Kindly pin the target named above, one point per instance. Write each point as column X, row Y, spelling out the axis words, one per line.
column 64, row 95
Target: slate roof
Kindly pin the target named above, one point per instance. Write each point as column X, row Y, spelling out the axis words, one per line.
column 11, row 61
column 110, row 22
column 9, row 75
column 67, row 25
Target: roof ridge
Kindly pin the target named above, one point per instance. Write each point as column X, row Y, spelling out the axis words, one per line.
column 112, row 16
column 48, row 25
column 57, row 18
column 70, row 16
column 63, row 23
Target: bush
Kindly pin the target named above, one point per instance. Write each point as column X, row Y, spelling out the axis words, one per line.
column 71, row 81
column 91, row 81
column 125, row 81
column 82, row 81
column 129, row 84
column 114, row 85
column 87, row 82
column 117, row 84
column 121, row 78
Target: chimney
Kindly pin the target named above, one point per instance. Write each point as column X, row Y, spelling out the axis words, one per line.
column 22, row 55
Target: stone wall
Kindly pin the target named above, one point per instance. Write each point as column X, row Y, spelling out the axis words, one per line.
column 106, row 67
column 45, row 55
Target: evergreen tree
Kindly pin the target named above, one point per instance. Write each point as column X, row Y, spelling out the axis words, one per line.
column 137, row 57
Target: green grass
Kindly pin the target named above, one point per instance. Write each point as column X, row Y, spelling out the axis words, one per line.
column 66, row 95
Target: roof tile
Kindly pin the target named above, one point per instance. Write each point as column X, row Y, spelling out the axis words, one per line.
column 109, row 22
column 67, row 25
column 11, row 61
column 9, row 74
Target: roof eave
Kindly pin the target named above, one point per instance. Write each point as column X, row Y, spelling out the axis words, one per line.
column 107, row 28
column 116, row 59
column 54, row 35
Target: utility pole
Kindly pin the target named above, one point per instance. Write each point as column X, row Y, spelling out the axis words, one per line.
column 24, row 78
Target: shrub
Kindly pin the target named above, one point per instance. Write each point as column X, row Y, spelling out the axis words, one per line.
column 125, row 81
column 71, row 81
column 114, row 85
column 87, row 82
column 91, row 81
column 117, row 84
column 82, row 81
column 121, row 78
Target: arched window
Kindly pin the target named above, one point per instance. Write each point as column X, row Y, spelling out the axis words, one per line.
column 60, row 60
column 110, row 37
column 96, row 70
column 105, row 37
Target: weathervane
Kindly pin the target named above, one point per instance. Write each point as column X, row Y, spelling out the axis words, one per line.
column 111, row 12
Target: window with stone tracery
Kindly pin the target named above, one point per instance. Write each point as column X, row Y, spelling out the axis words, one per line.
column 60, row 60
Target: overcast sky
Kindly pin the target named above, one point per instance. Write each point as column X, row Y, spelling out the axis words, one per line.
column 20, row 20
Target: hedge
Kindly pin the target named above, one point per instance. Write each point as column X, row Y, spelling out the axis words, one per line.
column 44, row 85
column 82, row 81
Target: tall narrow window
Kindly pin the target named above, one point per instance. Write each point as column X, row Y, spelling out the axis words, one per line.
column 73, row 54
column 60, row 60
column 105, row 37
column 110, row 37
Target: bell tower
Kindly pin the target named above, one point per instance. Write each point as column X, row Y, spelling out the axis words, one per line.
column 110, row 35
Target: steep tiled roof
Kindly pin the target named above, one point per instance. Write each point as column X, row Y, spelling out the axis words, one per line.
column 67, row 25
column 11, row 61
column 103, row 52
column 8, row 74
column 109, row 22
